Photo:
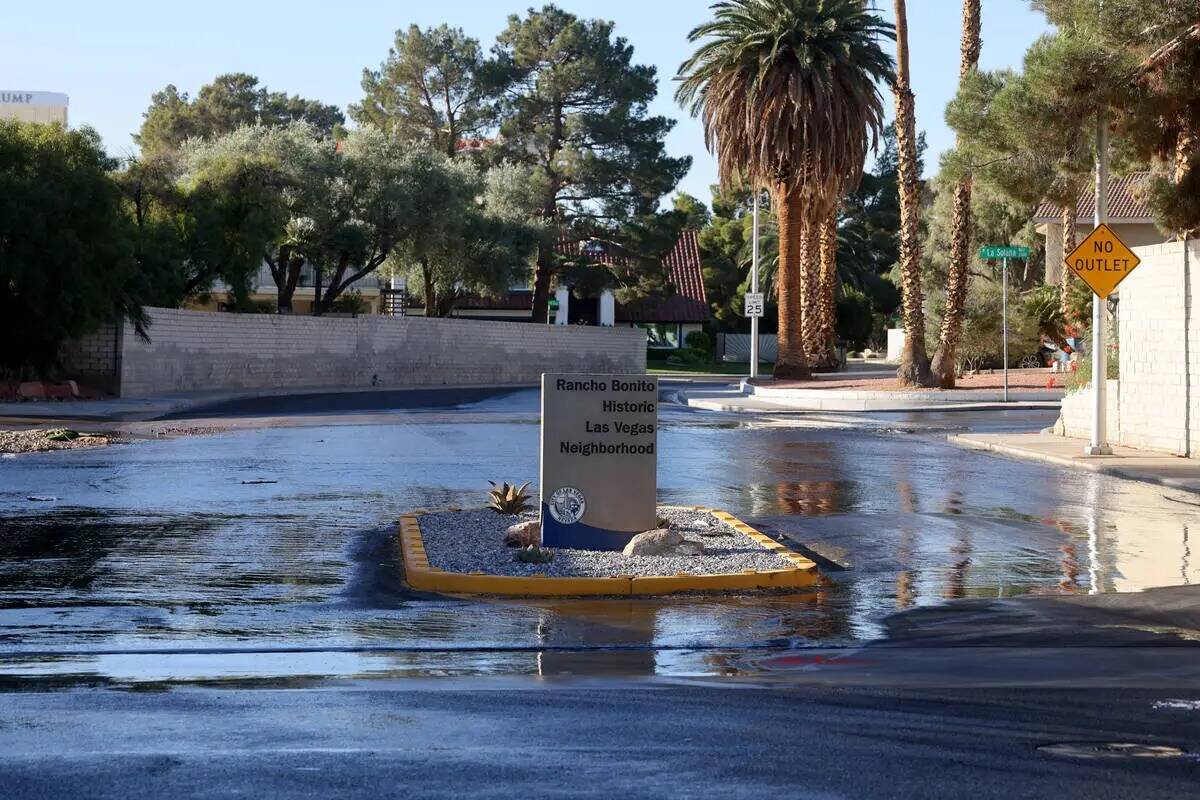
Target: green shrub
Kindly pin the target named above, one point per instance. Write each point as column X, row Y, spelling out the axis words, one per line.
column 66, row 262
column 699, row 340
column 854, row 318
column 350, row 302
column 1044, row 306
column 982, row 340
column 690, row 357
column 1081, row 378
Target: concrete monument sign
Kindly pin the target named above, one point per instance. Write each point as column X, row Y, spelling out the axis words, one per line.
column 599, row 456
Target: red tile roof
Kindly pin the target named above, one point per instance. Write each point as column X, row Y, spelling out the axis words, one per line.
column 688, row 304
column 1123, row 202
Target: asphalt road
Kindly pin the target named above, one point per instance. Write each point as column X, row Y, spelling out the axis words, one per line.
column 522, row 739
column 220, row 616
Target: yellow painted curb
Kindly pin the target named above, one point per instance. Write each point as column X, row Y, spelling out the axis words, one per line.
column 421, row 575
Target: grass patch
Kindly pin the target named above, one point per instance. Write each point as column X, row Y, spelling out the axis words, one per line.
column 661, row 366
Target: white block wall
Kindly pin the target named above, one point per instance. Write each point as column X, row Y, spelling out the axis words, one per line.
column 199, row 350
column 1159, row 386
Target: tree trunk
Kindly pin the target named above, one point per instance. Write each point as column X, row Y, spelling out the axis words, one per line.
column 827, row 293
column 1185, row 141
column 542, row 274
column 431, row 308
column 810, row 290
column 914, row 363
column 790, row 363
column 945, row 361
column 290, row 265
column 1069, row 225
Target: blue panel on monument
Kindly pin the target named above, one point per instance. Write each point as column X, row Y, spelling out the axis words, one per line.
column 599, row 459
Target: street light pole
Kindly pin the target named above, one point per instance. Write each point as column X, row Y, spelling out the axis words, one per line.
column 754, row 290
column 1098, row 446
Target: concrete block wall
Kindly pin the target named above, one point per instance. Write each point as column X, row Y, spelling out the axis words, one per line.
column 199, row 350
column 95, row 358
column 1160, row 350
column 1075, row 420
column 1158, row 405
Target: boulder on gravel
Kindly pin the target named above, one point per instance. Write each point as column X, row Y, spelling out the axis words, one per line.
column 662, row 542
column 523, row 534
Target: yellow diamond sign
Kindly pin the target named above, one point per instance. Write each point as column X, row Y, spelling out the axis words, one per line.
column 1102, row 260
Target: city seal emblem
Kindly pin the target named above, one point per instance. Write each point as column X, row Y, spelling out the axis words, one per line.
column 567, row 505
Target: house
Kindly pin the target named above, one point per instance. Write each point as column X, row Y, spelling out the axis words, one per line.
column 263, row 292
column 667, row 321
column 1128, row 215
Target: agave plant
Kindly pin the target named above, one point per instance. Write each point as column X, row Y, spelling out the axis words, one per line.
column 506, row 499
column 534, row 555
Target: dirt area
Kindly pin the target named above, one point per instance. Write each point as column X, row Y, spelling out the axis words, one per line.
column 1018, row 380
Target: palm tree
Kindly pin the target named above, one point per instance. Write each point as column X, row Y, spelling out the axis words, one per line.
column 914, row 363
column 787, row 91
column 827, row 281
column 945, row 364
column 1070, row 224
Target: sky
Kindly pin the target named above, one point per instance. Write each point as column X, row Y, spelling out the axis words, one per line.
column 109, row 56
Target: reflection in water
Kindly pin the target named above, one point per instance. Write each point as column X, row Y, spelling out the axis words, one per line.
column 162, row 546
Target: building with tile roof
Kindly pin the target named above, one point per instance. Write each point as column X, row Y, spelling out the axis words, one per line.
column 1128, row 215
column 667, row 320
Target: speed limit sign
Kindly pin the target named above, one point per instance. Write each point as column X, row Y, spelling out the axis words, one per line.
column 754, row 304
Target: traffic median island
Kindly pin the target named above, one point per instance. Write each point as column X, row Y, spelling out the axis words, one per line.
column 462, row 552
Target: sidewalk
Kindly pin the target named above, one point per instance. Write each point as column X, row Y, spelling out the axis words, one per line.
column 879, row 390
column 809, row 399
column 1146, row 466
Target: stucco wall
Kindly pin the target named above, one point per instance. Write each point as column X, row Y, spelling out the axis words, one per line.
column 198, row 350
column 1158, row 390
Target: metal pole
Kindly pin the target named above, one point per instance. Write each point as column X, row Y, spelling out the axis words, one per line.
column 754, row 288
column 1098, row 446
column 1004, row 314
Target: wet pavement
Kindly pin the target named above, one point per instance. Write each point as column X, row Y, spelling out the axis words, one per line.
column 264, row 552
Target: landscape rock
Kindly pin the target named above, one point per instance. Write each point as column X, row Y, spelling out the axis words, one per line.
column 523, row 534
column 662, row 542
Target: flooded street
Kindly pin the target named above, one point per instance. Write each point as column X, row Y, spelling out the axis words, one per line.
column 266, row 552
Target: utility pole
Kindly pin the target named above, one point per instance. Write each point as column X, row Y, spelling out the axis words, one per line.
column 1098, row 446
column 754, row 290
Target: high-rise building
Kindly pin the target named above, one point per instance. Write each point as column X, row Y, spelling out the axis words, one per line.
column 33, row 106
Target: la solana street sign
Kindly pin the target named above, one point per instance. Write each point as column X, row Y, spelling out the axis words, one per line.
column 1102, row 260
column 1003, row 251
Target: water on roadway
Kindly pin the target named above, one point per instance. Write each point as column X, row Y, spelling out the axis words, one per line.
column 266, row 551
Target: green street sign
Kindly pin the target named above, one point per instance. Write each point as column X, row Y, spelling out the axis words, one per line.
column 554, row 305
column 1003, row 251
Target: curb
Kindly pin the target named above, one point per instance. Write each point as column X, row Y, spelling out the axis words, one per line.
column 420, row 574
column 844, row 407
column 1090, row 465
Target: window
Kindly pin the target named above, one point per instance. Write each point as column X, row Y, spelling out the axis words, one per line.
column 664, row 335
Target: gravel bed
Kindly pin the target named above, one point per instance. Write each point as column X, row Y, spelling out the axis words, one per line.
column 37, row 440
column 471, row 541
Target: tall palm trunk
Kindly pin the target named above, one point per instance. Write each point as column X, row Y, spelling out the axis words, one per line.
column 1069, row 225
column 945, row 361
column 827, row 292
column 790, row 363
column 810, row 293
column 914, row 362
